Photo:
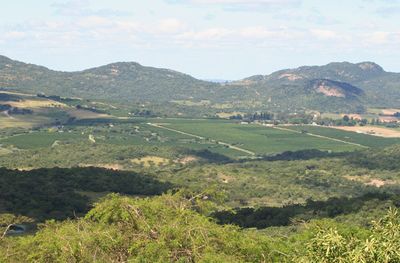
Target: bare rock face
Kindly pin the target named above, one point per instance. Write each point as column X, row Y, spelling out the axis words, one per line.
column 370, row 66
column 330, row 91
column 337, row 89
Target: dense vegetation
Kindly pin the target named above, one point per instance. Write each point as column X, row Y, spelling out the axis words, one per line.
column 195, row 164
column 385, row 159
column 61, row 193
column 359, row 210
column 289, row 196
column 304, row 195
column 175, row 228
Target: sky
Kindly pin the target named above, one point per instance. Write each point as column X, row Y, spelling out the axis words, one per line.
column 209, row 39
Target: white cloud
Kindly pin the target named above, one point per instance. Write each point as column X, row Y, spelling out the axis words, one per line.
column 243, row 1
column 259, row 32
column 95, row 22
column 14, row 35
column 127, row 32
column 171, row 25
column 242, row 5
column 383, row 38
column 207, row 34
column 78, row 8
column 324, row 34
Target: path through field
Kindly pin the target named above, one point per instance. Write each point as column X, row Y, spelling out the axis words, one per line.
column 202, row 138
column 321, row 136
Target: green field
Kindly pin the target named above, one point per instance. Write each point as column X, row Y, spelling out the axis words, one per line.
column 39, row 139
column 219, row 136
column 258, row 139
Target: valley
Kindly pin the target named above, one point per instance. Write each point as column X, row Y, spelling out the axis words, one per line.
column 265, row 172
column 199, row 131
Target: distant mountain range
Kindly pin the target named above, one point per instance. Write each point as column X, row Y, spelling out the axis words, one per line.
column 333, row 87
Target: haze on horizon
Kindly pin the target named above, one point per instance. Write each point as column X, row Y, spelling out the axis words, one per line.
column 209, row 39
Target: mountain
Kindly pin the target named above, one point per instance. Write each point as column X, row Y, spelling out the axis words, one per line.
column 126, row 81
column 344, row 86
column 333, row 86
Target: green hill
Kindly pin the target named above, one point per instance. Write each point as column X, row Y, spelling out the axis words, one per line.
column 118, row 81
column 336, row 86
column 344, row 87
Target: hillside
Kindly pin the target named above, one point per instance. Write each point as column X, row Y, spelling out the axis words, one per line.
column 333, row 86
column 126, row 81
column 343, row 87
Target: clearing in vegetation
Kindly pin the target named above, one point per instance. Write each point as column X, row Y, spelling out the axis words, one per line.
column 147, row 161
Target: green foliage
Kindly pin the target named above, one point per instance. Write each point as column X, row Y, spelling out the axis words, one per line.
column 383, row 245
column 280, row 183
column 384, row 159
column 160, row 229
column 168, row 229
column 57, row 193
column 359, row 210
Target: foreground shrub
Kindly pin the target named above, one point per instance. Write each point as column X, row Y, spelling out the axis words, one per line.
column 122, row 229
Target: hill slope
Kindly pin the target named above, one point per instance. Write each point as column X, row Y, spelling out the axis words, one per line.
column 333, row 87
column 117, row 81
column 347, row 85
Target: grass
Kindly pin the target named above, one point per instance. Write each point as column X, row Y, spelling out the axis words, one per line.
column 22, row 121
column 4, row 151
column 39, row 139
column 36, row 103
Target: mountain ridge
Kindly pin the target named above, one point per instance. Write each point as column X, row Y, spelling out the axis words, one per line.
column 349, row 86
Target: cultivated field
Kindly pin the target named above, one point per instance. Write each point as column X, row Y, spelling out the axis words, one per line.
column 40, row 139
column 255, row 138
column 190, row 135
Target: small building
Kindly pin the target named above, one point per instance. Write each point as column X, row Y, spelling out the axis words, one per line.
column 356, row 117
column 388, row 119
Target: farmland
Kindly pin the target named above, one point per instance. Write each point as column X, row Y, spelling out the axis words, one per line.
column 259, row 139
column 39, row 139
column 223, row 137
column 166, row 143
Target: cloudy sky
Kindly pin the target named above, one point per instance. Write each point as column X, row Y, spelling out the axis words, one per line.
column 224, row 39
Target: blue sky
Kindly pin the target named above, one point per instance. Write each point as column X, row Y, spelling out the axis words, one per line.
column 225, row 39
